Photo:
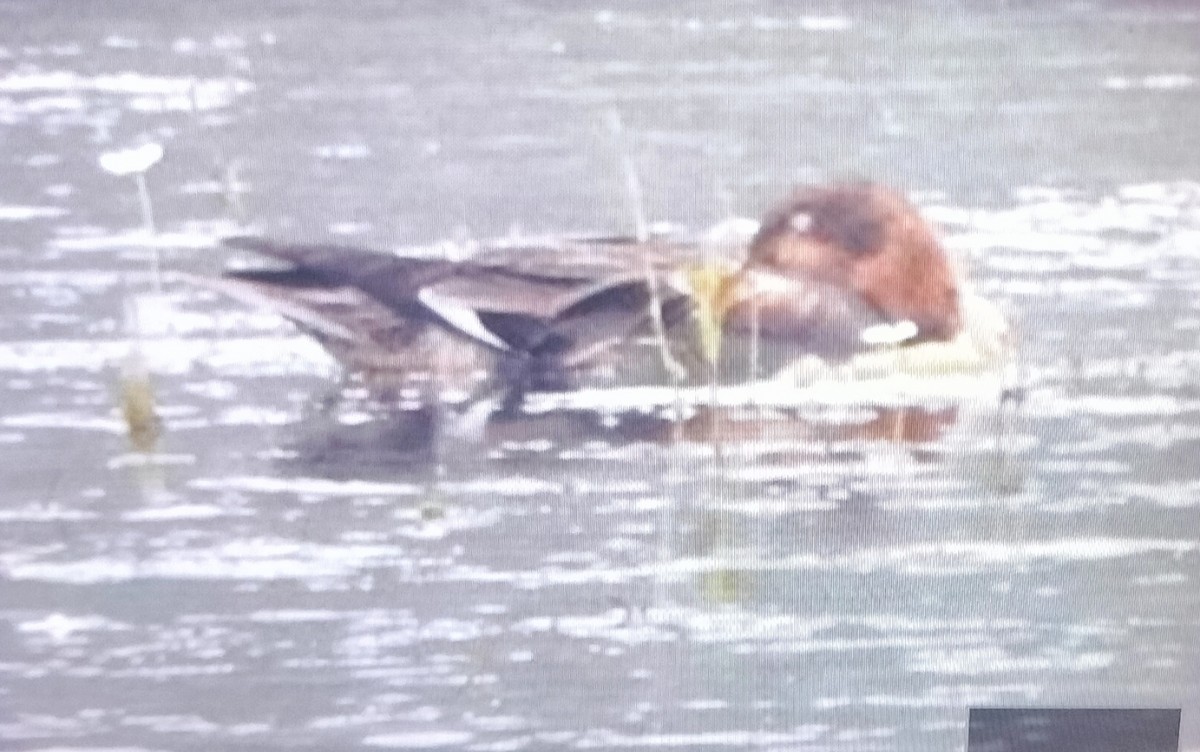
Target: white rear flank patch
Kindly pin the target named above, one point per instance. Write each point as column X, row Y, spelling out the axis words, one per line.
column 732, row 230
column 889, row 334
column 464, row 319
column 766, row 282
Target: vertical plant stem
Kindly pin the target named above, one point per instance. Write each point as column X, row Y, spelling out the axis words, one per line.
column 137, row 389
column 633, row 191
column 754, row 338
column 898, row 429
column 715, row 425
column 756, row 407
column 441, row 472
column 148, row 227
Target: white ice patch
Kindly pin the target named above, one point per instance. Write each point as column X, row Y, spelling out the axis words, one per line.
column 824, row 23
column 1124, row 407
column 1162, row 81
column 45, row 513
column 993, row 659
column 146, row 93
column 184, row 238
column 421, row 740
column 349, row 228
column 183, row 512
column 60, row 627
column 609, row 739
column 253, row 559
column 305, row 486
column 963, row 557
column 343, row 151
column 513, row 486
column 26, row 213
column 132, row 160
column 229, row 356
column 117, row 42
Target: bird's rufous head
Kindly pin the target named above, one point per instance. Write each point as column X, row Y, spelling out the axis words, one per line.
column 862, row 238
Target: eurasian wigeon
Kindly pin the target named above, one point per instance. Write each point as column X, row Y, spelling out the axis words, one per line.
column 836, row 269
column 845, row 296
column 838, row 272
column 510, row 315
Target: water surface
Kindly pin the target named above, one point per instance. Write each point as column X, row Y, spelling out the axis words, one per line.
column 281, row 577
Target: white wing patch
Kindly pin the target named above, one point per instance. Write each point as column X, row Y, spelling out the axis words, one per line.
column 464, row 319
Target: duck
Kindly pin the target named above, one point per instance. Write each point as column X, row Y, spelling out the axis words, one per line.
column 513, row 316
column 835, row 270
column 855, row 297
column 842, row 292
column 840, row 271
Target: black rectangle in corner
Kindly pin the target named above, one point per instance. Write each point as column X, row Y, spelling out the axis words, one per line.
column 1072, row 730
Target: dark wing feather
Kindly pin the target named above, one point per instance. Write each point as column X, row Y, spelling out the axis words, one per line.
column 546, row 315
column 592, row 258
column 600, row 317
column 394, row 281
column 566, row 300
column 340, row 316
column 594, row 292
column 500, row 290
column 340, row 263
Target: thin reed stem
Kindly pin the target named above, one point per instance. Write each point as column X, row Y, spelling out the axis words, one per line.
column 149, row 228
column 633, row 191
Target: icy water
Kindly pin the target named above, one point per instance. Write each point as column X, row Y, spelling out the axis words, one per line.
column 275, row 576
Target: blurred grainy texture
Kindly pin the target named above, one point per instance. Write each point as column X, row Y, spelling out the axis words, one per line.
column 281, row 576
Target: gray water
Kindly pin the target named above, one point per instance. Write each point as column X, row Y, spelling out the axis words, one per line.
column 275, row 575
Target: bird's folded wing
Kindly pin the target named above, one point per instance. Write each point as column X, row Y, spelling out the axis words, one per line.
column 541, row 313
column 329, row 312
column 600, row 316
column 316, row 257
column 593, row 257
column 502, row 290
column 391, row 279
column 567, row 296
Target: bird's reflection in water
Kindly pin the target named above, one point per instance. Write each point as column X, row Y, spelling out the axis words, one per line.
column 908, row 424
column 423, row 433
column 395, row 441
column 738, row 500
